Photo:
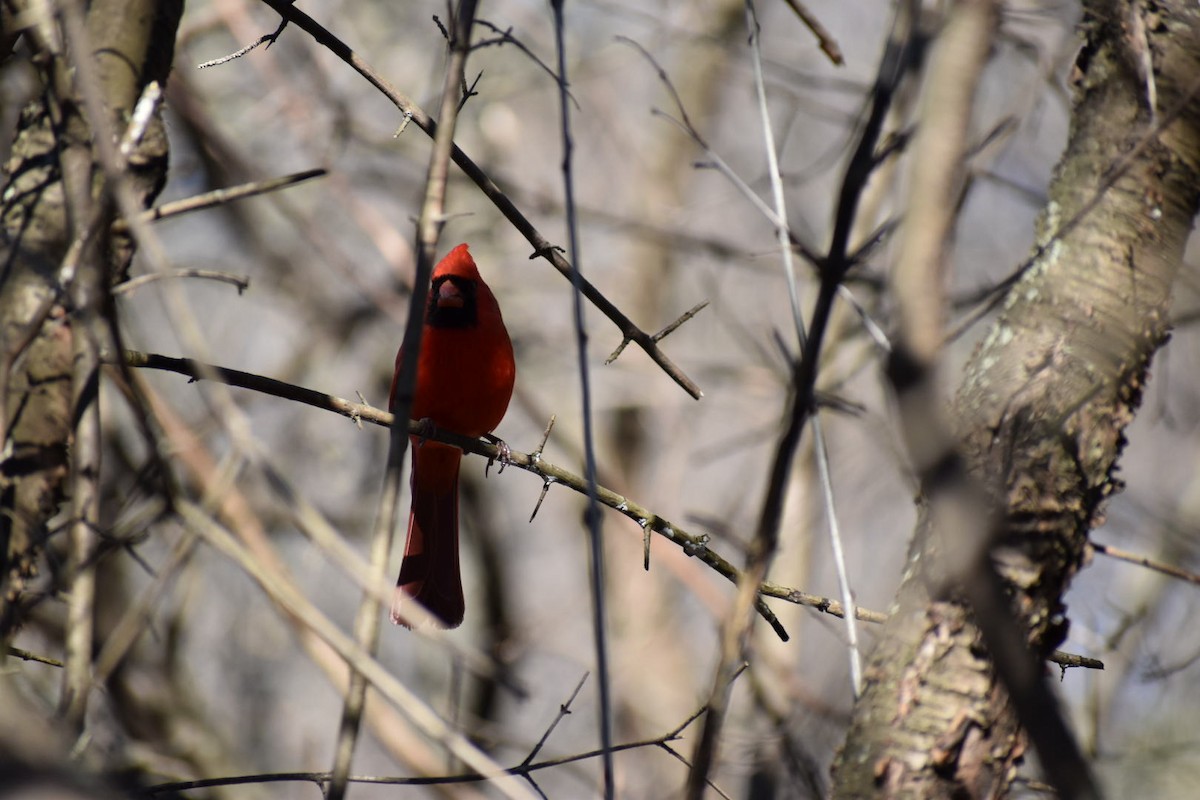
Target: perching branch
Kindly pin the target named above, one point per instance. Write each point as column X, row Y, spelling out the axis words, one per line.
column 551, row 474
column 693, row 544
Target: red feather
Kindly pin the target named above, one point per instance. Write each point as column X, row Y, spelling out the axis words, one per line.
column 465, row 375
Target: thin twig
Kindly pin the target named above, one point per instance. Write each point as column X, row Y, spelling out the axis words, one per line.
column 665, row 332
column 828, row 44
column 506, row 37
column 684, row 317
column 563, row 710
column 594, row 519
column 833, row 607
column 713, row 158
column 821, row 453
column 25, row 655
column 521, row 770
column 1147, row 562
column 267, row 38
column 219, row 197
column 242, row 282
column 876, row 333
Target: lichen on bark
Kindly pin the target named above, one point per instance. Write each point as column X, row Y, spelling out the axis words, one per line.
column 1041, row 411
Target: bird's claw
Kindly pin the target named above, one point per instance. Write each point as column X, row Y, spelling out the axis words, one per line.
column 425, row 430
column 504, row 456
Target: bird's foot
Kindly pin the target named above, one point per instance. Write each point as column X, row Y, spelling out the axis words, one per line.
column 425, row 430
column 504, row 456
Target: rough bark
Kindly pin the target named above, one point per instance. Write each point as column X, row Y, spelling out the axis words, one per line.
column 1042, row 407
column 54, row 192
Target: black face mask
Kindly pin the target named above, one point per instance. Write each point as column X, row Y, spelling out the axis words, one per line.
column 464, row 316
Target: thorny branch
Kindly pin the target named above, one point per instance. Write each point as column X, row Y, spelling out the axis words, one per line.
column 693, row 544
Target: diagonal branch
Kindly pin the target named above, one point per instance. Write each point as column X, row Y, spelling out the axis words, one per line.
column 542, row 247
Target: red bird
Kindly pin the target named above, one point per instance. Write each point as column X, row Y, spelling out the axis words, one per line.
column 465, row 375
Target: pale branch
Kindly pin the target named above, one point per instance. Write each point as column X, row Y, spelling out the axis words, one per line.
column 542, row 247
column 820, row 449
column 267, row 38
column 83, row 281
column 219, row 197
column 25, row 655
column 1147, row 562
column 242, row 282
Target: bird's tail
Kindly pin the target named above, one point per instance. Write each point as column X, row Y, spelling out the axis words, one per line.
column 429, row 572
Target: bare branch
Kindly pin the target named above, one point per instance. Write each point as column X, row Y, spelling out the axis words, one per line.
column 242, row 282
column 1147, row 562
column 219, row 197
column 829, row 45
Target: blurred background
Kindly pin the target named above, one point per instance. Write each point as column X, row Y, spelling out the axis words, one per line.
column 220, row 684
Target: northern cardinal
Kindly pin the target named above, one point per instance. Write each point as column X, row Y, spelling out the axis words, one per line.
column 465, row 374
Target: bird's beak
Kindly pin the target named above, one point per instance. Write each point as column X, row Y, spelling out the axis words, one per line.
column 450, row 296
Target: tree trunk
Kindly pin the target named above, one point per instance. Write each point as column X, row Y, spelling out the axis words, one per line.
column 59, row 257
column 1042, row 407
